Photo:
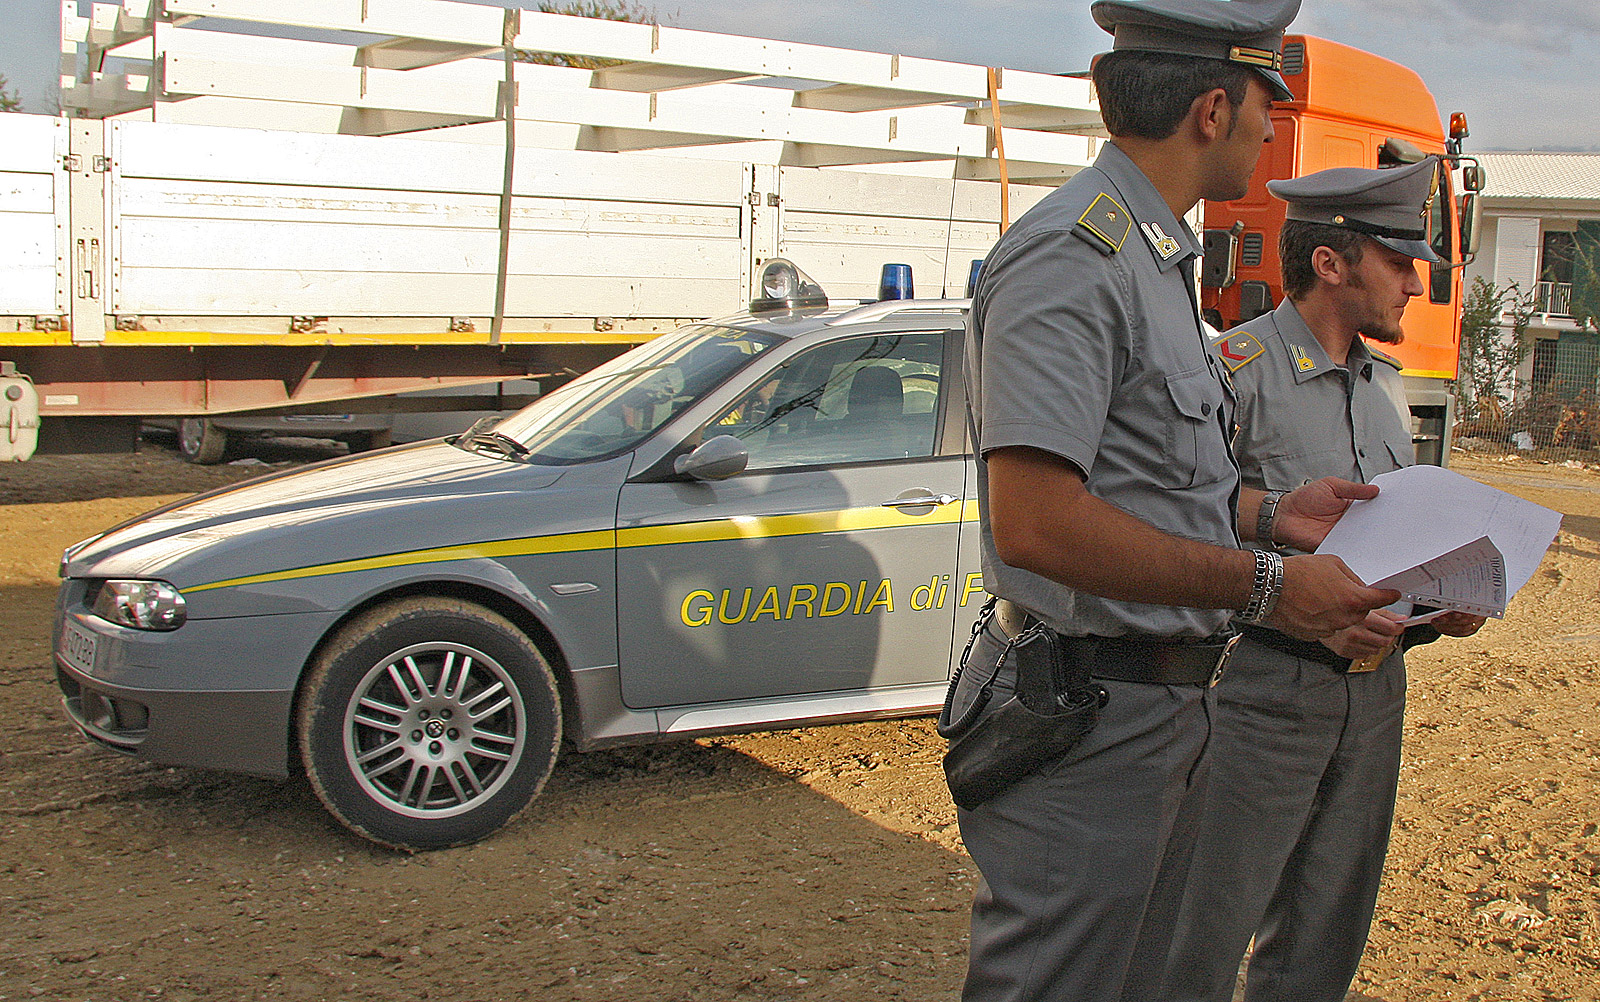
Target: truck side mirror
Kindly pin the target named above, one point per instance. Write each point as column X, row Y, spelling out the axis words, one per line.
column 715, row 459
column 1471, row 177
column 1471, row 225
column 1218, row 263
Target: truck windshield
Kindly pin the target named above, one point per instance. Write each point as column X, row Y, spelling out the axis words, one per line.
column 613, row 407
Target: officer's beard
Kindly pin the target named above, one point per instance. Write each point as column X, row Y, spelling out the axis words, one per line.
column 1383, row 335
column 1375, row 325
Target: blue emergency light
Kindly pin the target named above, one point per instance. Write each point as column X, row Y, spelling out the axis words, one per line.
column 895, row 283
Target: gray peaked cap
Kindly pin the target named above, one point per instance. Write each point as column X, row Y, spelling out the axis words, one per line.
column 1388, row 204
column 1247, row 32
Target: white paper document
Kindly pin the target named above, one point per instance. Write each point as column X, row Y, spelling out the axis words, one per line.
column 1444, row 540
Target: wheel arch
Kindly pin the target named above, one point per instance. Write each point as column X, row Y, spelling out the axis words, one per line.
column 517, row 613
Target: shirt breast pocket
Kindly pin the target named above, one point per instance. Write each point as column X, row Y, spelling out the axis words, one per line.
column 1197, row 452
column 1401, row 450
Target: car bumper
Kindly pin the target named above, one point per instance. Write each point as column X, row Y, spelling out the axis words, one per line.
column 215, row 694
column 233, row 731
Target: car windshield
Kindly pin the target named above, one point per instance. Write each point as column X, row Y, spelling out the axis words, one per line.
column 613, row 407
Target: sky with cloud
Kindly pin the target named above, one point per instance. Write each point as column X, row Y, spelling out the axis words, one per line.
column 1523, row 70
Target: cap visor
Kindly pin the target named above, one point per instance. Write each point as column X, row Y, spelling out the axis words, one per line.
column 1275, row 83
column 1418, row 249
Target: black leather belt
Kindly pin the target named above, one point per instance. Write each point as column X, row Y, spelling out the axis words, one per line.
column 1154, row 660
column 1159, row 660
column 1308, row 650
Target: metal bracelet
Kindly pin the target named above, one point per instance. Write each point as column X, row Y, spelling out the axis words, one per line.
column 1274, row 586
column 1265, row 587
column 1252, row 604
column 1267, row 514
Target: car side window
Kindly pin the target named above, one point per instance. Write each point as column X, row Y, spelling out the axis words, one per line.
column 868, row 399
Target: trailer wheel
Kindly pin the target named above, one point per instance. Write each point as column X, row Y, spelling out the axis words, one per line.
column 366, row 441
column 201, row 442
column 428, row 722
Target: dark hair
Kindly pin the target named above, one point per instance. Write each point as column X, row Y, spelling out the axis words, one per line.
column 1299, row 240
column 1146, row 94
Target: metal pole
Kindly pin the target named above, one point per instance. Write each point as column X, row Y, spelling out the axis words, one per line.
column 508, row 111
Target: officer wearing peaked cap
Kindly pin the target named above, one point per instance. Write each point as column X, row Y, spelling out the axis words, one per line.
column 1246, row 32
column 1390, row 206
column 1306, row 735
column 1111, row 513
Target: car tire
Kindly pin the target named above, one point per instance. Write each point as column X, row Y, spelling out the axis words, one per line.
column 381, row 717
column 366, row 441
column 201, row 442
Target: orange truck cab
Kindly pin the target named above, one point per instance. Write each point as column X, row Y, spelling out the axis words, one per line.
column 1352, row 109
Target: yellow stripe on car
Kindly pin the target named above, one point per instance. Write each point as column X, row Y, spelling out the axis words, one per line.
column 715, row 530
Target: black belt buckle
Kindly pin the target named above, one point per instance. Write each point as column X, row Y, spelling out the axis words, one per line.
column 1222, row 659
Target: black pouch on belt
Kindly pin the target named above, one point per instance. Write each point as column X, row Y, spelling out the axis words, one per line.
column 1054, row 706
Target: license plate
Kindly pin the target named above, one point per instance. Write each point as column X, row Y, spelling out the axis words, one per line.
column 77, row 648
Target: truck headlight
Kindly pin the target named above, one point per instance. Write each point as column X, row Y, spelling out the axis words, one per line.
column 142, row 605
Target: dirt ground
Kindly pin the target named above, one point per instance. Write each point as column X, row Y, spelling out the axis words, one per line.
column 810, row 865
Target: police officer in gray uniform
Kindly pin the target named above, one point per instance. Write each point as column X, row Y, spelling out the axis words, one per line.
column 1306, row 736
column 1110, row 504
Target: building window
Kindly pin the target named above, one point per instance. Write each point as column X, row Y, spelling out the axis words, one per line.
column 1553, row 292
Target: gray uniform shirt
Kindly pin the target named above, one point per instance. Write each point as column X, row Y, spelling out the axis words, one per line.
column 1301, row 417
column 1084, row 341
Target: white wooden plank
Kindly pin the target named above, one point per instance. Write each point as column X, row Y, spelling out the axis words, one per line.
column 225, row 45
column 282, row 116
column 739, row 54
column 293, row 250
column 166, row 152
column 284, row 294
column 470, row 90
column 27, row 143
column 28, row 252
column 27, row 218
column 468, row 94
column 458, row 239
column 438, row 20
column 441, row 20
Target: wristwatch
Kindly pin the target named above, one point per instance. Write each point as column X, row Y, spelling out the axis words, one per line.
column 1265, row 516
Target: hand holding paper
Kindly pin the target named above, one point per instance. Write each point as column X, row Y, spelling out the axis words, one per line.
column 1444, row 540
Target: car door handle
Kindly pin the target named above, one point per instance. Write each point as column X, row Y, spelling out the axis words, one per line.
column 920, row 501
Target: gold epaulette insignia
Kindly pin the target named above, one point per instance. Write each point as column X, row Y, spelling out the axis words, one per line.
column 1236, row 349
column 1107, row 222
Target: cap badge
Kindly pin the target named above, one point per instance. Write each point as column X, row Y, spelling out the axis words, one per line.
column 1164, row 245
column 1256, row 57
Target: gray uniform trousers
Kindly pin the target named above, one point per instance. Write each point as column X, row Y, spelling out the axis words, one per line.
column 1084, row 863
column 1305, row 763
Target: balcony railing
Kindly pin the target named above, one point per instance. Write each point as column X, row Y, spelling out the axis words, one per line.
column 1553, row 298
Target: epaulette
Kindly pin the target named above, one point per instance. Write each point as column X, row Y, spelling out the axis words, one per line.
column 1105, row 224
column 1235, row 348
column 1380, row 356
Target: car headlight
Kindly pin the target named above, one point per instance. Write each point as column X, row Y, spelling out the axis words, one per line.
column 143, row 605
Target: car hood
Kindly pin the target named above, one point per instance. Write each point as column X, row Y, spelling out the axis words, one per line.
column 338, row 510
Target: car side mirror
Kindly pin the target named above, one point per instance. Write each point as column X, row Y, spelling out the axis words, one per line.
column 715, row 459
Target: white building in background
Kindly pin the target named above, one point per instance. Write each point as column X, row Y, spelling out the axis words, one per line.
column 1539, row 209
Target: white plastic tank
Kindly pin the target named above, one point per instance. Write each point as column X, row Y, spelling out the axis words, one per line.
column 19, row 415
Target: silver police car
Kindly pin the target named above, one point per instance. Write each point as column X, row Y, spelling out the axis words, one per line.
column 766, row 521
